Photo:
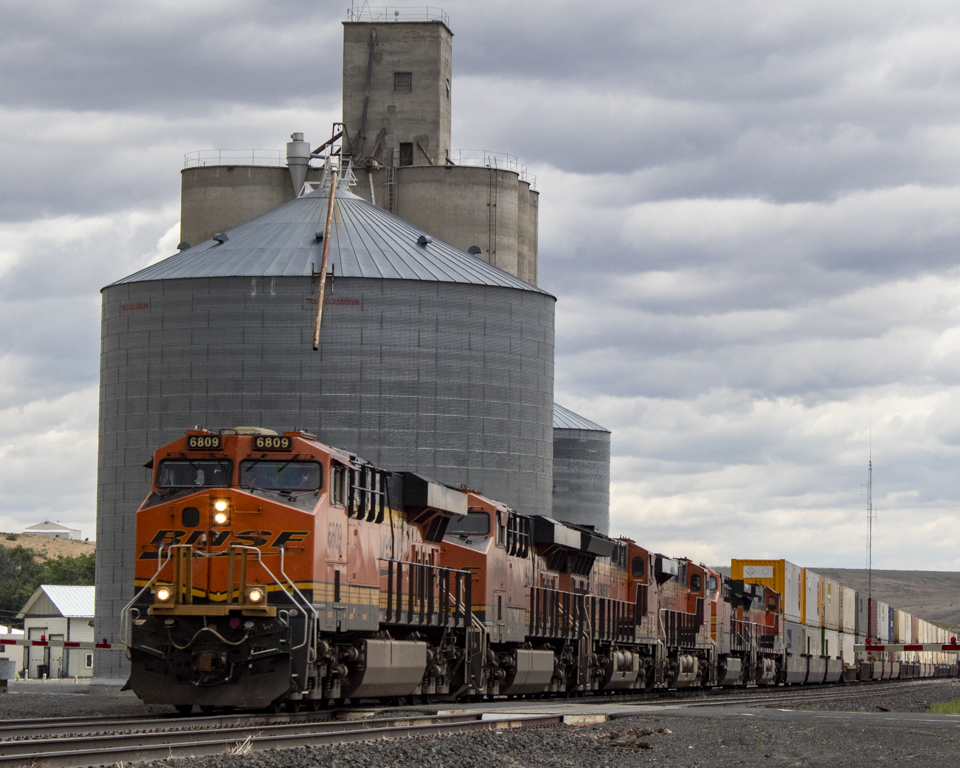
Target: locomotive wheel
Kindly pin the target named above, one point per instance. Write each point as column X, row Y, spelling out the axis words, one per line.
column 184, row 709
column 207, row 708
column 294, row 705
column 275, row 706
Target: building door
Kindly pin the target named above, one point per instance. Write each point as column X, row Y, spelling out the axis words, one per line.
column 35, row 656
column 57, row 658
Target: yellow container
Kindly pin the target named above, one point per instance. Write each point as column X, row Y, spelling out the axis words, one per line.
column 781, row 576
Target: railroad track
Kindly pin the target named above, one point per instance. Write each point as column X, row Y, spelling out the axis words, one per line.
column 93, row 741
column 182, row 739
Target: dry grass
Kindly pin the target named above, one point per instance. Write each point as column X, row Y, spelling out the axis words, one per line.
column 47, row 547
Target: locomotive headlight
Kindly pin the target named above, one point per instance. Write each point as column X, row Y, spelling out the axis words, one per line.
column 221, row 511
column 164, row 594
column 256, row 595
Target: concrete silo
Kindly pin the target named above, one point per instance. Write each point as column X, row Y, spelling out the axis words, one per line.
column 430, row 360
column 581, row 470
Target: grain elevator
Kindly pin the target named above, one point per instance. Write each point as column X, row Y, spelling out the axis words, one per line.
column 436, row 352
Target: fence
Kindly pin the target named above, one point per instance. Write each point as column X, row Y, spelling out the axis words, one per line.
column 382, row 13
column 202, row 157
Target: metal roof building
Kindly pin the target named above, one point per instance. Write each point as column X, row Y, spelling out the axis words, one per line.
column 56, row 600
column 581, row 470
column 430, row 360
column 54, row 530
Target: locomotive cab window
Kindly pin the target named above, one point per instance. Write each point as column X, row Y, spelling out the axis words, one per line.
column 696, row 582
column 194, row 473
column 281, row 475
column 637, row 567
column 472, row 524
column 712, row 583
column 501, row 531
column 338, row 485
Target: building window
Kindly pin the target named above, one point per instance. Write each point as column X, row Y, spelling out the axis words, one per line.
column 403, row 81
column 406, row 153
column 88, row 661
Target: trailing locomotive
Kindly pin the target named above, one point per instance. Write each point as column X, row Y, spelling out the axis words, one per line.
column 273, row 569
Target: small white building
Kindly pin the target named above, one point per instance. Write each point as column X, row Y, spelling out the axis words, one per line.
column 54, row 530
column 64, row 614
column 12, row 652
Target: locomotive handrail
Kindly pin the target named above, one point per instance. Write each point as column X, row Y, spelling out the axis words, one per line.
column 311, row 633
column 306, row 630
column 125, row 613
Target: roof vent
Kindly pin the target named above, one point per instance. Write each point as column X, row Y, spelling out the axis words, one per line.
column 221, row 238
column 424, row 239
column 318, row 235
column 475, row 250
column 183, row 245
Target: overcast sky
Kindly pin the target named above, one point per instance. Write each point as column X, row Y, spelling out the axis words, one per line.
column 750, row 215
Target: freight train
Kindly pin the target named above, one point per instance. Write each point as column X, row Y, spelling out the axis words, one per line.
column 273, row 570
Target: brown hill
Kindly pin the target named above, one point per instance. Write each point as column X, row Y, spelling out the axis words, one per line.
column 47, row 547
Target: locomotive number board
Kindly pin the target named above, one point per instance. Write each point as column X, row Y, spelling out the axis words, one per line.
column 272, row 443
column 204, row 442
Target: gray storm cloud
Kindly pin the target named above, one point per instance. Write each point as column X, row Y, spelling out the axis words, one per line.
column 749, row 215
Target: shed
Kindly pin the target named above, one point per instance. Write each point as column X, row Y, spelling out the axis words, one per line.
column 59, row 613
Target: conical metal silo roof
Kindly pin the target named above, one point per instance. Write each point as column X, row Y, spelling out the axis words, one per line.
column 365, row 241
column 564, row 418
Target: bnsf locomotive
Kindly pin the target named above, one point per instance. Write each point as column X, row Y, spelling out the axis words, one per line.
column 274, row 569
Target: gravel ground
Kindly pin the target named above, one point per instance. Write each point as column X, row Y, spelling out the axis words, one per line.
column 891, row 698
column 664, row 739
column 27, row 699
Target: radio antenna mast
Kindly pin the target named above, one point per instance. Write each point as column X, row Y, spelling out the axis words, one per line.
column 870, row 522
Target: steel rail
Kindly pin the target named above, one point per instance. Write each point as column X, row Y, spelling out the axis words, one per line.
column 11, row 730
column 84, row 751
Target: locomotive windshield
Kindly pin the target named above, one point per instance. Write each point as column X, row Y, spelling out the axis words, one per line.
column 281, row 475
column 473, row 524
column 194, row 473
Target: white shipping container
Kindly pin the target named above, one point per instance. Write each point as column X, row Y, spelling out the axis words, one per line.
column 812, row 641
column 793, row 638
column 831, row 643
column 848, row 610
column 830, row 604
column 791, row 596
column 811, row 599
column 847, row 641
column 883, row 622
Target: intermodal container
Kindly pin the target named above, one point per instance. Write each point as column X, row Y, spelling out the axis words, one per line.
column 848, row 610
column 831, row 644
column 863, row 615
column 901, row 622
column 830, row 605
column 781, row 576
column 810, row 600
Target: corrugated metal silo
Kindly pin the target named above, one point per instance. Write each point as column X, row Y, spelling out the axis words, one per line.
column 430, row 360
column 581, row 470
